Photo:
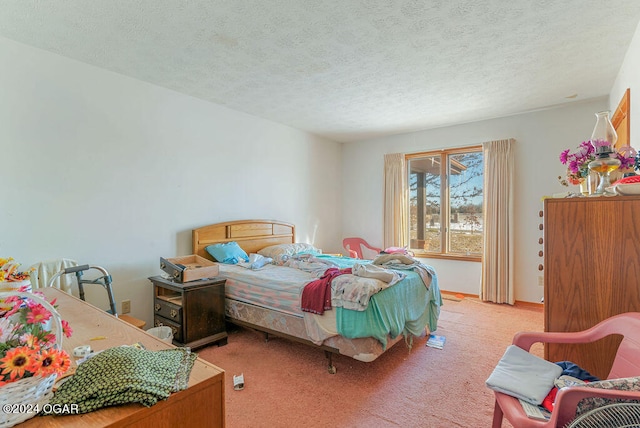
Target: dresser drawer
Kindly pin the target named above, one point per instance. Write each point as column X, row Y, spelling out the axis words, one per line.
column 168, row 310
column 176, row 329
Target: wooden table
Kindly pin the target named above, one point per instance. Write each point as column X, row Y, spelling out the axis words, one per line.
column 201, row 404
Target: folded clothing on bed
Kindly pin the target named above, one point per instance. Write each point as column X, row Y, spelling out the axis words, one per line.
column 355, row 291
column 523, row 375
column 405, row 262
column 311, row 264
column 369, row 270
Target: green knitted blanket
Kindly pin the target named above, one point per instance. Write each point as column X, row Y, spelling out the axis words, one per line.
column 126, row 375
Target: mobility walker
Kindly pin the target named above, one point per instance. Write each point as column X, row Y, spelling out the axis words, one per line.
column 105, row 281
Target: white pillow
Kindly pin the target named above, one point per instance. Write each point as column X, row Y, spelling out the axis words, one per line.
column 281, row 252
column 523, row 375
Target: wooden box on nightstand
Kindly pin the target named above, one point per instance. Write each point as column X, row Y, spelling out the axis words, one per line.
column 194, row 310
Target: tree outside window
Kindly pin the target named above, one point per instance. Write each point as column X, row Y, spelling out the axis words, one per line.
column 445, row 203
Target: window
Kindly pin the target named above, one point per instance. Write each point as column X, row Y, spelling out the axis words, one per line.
column 445, row 203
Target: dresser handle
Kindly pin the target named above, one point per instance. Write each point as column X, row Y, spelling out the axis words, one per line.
column 540, row 267
column 173, row 313
column 540, row 253
column 540, row 241
column 541, row 214
column 157, row 307
column 541, row 226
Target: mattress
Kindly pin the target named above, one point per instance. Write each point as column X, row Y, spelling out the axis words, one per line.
column 272, row 287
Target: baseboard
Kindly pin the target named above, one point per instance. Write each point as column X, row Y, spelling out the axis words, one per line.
column 455, row 293
column 459, row 296
column 529, row 304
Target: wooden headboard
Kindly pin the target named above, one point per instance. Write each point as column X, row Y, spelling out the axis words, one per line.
column 251, row 235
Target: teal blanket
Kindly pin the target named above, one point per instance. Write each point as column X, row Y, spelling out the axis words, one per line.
column 419, row 308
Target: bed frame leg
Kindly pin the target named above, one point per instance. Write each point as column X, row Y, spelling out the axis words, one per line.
column 331, row 368
column 266, row 336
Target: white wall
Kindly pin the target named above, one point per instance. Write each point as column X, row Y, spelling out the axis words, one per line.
column 540, row 137
column 108, row 170
column 629, row 77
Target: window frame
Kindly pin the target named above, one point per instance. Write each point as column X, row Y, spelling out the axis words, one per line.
column 444, row 197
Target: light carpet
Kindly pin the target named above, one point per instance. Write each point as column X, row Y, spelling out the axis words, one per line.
column 287, row 384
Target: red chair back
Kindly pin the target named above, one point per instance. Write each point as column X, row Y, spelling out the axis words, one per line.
column 626, row 362
column 355, row 247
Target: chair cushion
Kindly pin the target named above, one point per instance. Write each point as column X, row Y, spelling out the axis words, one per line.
column 523, row 375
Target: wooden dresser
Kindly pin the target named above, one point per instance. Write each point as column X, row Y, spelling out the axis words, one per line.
column 591, row 272
column 201, row 404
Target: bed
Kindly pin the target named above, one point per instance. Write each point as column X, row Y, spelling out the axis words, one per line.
column 269, row 299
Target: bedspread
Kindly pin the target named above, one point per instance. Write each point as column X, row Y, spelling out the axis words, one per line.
column 385, row 316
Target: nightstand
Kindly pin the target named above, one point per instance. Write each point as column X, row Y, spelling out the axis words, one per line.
column 194, row 310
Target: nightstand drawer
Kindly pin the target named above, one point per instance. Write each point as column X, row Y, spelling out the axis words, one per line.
column 176, row 329
column 168, row 310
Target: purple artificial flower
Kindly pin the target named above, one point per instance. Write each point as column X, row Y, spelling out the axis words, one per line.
column 574, row 166
column 625, row 162
column 587, row 145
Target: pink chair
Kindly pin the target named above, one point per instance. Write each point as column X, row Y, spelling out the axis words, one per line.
column 625, row 364
column 355, row 247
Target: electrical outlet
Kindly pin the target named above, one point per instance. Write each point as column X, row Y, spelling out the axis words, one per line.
column 126, row 306
column 541, row 281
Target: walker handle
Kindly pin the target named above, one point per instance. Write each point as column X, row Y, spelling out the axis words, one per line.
column 76, row 269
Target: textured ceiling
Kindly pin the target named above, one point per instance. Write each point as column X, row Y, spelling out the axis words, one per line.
column 346, row 69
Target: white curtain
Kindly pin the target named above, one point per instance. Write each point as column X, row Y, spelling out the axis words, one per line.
column 497, row 255
column 395, row 209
